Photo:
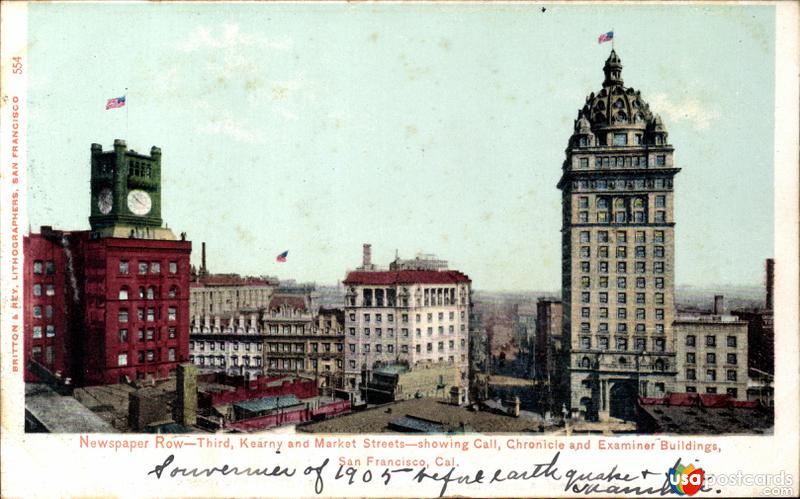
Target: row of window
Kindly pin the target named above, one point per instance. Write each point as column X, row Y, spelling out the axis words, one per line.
column 621, row 217
column 711, row 358
column 622, row 268
column 733, row 392
column 299, row 347
column 622, row 252
column 621, row 236
column 47, row 267
column 37, row 311
column 451, row 359
column 139, row 169
column 619, row 203
column 152, row 314
column 146, row 356
column 404, row 331
column 144, row 267
column 212, row 345
column 622, row 313
column 148, row 334
column 150, row 293
column 287, row 329
column 711, row 374
column 49, row 357
column 622, row 328
column 640, row 344
column 618, row 184
column 440, row 347
column 50, row 289
column 49, row 331
column 711, row 340
column 622, row 297
column 298, row 364
column 404, row 317
column 659, row 365
column 603, row 162
column 219, row 360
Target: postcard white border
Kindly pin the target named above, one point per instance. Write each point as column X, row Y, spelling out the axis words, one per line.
column 38, row 465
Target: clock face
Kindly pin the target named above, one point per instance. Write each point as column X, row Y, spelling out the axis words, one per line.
column 139, row 202
column 105, row 201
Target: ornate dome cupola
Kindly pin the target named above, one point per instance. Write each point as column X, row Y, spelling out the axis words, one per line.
column 656, row 131
column 616, row 110
column 613, row 70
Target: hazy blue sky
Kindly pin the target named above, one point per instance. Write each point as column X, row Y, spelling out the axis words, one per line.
column 437, row 128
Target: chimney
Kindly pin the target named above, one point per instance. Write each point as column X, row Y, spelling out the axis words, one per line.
column 203, row 260
column 770, row 282
column 719, row 304
column 187, row 394
column 367, row 258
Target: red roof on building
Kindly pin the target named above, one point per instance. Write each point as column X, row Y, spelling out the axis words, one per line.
column 405, row 277
column 709, row 400
column 294, row 301
column 231, row 280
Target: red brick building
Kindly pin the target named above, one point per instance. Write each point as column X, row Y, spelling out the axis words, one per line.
column 46, row 326
column 137, row 308
column 110, row 303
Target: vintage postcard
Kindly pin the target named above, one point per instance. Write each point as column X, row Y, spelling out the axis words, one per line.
column 297, row 249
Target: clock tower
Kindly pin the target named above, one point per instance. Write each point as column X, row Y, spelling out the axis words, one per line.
column 126, row 193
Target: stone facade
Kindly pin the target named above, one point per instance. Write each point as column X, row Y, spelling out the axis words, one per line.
column 226, row 293
column 618, row 242
column 405, row 317
column 231, row 343
column 296, row 342
column 711, row 354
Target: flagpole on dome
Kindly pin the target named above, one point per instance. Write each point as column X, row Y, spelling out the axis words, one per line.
column 126, row 112
column 612, row 38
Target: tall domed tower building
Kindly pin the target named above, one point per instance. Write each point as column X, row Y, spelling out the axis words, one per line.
column 618, row 253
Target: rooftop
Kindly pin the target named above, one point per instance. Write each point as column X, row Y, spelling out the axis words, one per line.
column 391, row 369
column 388, row 277
column 232, row 280
column 268, row 403
column 59, row 414
column 435, row 414
column 706, row 414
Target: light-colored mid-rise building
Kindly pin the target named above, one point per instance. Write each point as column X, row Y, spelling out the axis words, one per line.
column 298, row 342
column 711, row 353
column 408, row 316
column 229, row 343
column 215, row 294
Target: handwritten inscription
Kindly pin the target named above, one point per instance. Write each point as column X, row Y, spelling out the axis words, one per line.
column 616, row 481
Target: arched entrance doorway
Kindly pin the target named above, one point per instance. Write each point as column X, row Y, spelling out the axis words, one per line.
column 623, row 400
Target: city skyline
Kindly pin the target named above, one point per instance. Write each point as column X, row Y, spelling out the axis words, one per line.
column 257, row 121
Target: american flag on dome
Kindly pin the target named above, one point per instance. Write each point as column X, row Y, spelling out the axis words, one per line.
column 115, row 102
column 606, row 37
column 282, row 257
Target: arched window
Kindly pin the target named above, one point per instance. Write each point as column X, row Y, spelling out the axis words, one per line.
column 585, row 363
column 622, row 361
column 659, row 365
column 151, row 293
column 619, row 104
column 141, row 292
column 602, row 203
column 123, row 293
column 173, row 292
column 638, row 203
column 619, row 203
